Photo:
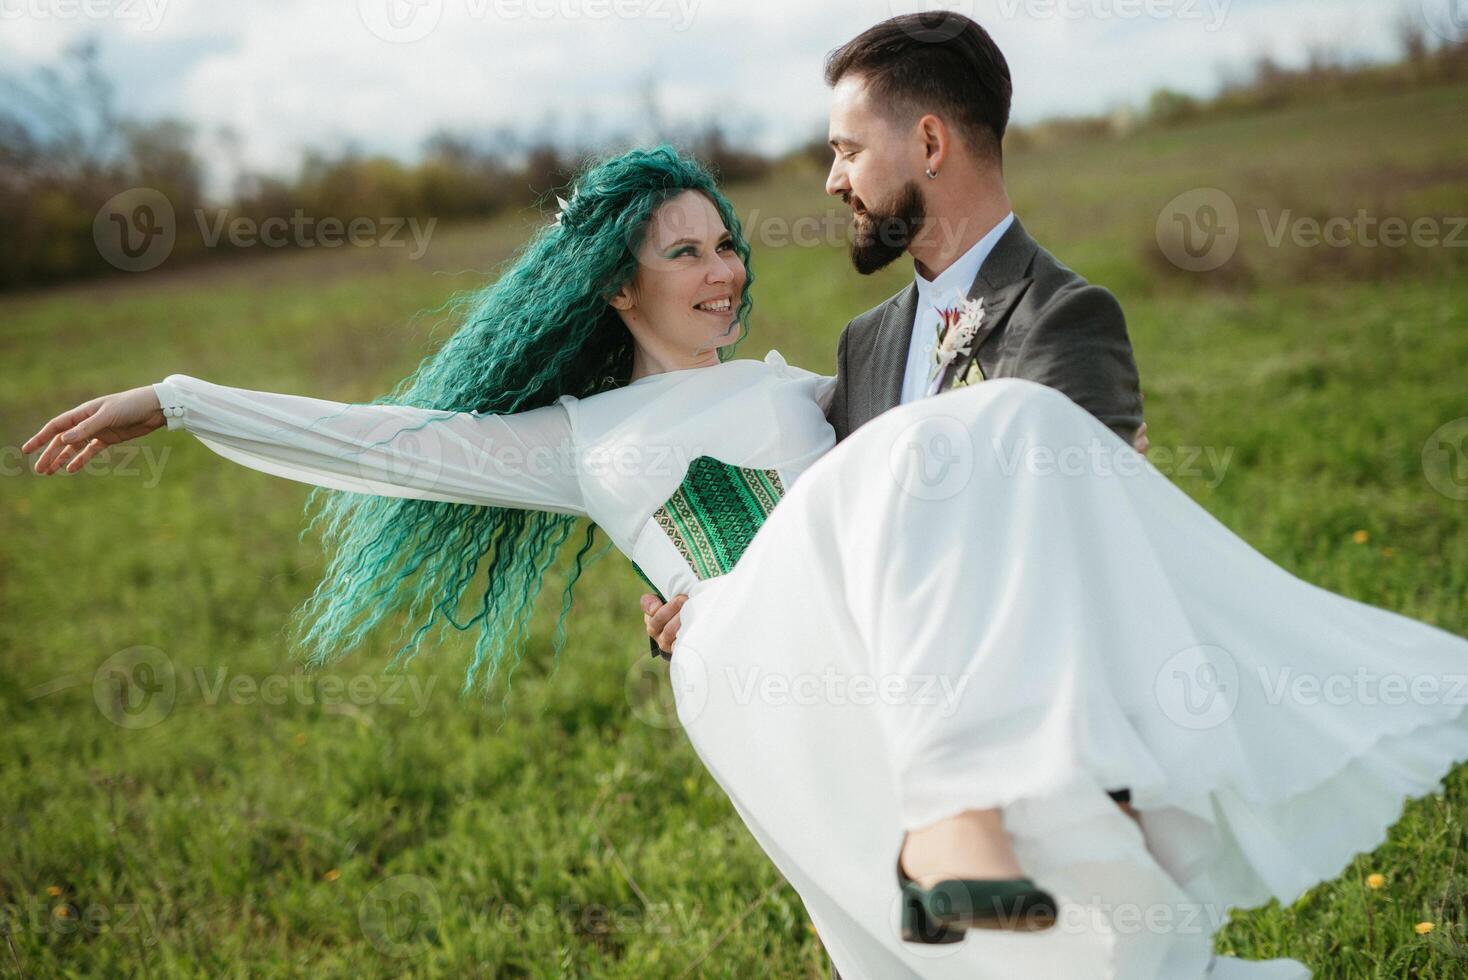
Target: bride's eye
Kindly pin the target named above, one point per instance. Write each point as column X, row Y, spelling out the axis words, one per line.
column 727, row 243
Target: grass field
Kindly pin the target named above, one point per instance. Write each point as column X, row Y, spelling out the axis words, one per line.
column 364, row 825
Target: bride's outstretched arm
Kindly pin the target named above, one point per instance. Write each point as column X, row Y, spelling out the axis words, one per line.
column 523, row 460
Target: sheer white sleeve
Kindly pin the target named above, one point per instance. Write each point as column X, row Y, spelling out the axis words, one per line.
column 822, row 387
column 524, row 460
column 825, row 391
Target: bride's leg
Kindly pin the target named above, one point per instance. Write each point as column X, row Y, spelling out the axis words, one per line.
column 972, row 844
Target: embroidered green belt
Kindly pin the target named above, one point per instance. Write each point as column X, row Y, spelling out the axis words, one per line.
column 715, row 512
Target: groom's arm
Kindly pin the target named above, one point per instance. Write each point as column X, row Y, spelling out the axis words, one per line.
column 1079, row 345
column 836, row 412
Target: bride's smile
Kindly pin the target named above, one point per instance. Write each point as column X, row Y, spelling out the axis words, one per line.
column 684, row 301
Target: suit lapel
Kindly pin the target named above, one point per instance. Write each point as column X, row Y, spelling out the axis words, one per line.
column 1000, row 284
column 893, row 340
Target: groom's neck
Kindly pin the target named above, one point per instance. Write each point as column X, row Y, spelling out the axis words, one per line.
column 961, row 210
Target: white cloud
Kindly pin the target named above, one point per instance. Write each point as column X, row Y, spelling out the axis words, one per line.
column 287, row 74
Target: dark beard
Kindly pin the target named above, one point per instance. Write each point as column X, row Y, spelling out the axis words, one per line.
column 882, row 236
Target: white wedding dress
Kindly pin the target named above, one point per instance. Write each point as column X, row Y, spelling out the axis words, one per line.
column 979, row 599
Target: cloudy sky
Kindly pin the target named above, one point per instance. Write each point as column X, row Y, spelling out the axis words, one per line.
column 383, row 74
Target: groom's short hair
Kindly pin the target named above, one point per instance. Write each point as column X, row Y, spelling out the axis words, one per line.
column 937, row 61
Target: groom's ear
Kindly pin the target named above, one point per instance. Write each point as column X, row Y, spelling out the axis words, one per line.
column 937, row 140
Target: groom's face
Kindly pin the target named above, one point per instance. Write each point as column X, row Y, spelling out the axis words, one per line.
column 877, row 161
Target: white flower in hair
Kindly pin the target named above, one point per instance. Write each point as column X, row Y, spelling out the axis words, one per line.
column 564, row 204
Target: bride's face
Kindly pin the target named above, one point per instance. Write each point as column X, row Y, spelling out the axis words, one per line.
column 689, row 280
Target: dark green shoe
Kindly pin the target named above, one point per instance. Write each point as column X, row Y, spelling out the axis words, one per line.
column 940, row 914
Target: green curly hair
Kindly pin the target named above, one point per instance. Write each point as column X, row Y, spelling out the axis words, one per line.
column 543, row 329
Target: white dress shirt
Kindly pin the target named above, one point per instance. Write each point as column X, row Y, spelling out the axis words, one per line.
column 949, row 288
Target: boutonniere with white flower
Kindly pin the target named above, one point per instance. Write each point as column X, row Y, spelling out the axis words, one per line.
column 957, row 327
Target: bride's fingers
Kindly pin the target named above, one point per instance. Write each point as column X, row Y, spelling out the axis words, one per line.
column 59, row 458
column 53, row 449
column 84, row 457
column 57, row 455
column 62, row 423
column 67, row 457
column 670, row 633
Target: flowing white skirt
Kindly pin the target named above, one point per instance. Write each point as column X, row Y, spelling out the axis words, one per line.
column 984, row 599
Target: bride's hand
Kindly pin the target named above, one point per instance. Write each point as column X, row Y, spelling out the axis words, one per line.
column 76, row 435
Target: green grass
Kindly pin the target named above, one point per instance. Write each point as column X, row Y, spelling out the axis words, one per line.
column 574, row 832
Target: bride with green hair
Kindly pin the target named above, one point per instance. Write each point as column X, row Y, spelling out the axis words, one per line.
column 925, row 632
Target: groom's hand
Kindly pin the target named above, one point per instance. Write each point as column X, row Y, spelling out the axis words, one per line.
column 661, row 619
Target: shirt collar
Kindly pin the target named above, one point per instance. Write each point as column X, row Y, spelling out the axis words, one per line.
column 959, row 276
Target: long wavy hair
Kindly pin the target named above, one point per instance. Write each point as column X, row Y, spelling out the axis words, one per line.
column 543, row 329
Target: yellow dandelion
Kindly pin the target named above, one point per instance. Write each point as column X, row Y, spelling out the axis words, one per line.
column 1375, row 881
column 61, row 912
column 333, row 875
column 1360, row 537
column 53, row 890
column 300, row 738
column 1423, row 928
column 1388, row 552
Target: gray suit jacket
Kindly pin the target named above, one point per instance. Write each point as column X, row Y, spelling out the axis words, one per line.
column 1042, row 322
